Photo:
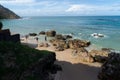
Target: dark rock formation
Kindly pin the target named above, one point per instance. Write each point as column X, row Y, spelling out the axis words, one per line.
column 7, row 14
column 5, row 35
column 51, row 33
column 111, row 68
column 42, row 33
column 62, row 37
column 32, row 34
column 67, row 36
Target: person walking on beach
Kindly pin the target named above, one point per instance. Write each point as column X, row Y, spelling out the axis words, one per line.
column 26, row 37
column 45, row 38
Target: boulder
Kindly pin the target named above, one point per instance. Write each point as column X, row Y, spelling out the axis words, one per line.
column 51, row 33
column 46, row 45
column 42, row 33
column 110, row 70
column 83, row 55
column 41, row 45
column 103, row 53
column 67, row 36
column 32, row 34
column 100, row 59
column 107, row 49
column 59, row 48
column 59, row 36
column 76, row 43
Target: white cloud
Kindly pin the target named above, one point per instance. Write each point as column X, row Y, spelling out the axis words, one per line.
column 89, row 9
column 16, row 1
column 75, row 8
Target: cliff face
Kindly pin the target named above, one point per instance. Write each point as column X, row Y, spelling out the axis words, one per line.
column 7, row 14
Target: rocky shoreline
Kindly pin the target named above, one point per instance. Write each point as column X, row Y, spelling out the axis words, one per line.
column 63, row 42
column 78, row 47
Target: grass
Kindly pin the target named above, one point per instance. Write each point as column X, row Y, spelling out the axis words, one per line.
column 15, row 57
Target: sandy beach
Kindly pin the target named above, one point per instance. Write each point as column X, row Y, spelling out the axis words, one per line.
column 72, row 67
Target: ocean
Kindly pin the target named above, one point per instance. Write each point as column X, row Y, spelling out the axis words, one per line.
column 80, row 26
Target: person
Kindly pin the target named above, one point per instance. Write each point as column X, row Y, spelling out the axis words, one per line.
column 45, row 38
column 26, row 37
column 37, row 39
column 1, row 25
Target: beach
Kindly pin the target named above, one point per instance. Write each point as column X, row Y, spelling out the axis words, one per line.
column 72, row 67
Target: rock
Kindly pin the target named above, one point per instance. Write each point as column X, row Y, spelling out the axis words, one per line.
column 110, row 70
column 107, row 49
column 67, row 36
column 83, row 55
column 62, row 37
column 1, row 25
column 76, row 43
column 51, row 33
column 7, row 14
column 99, row 53
column 46, row 45
column 59, row 36
column 59, row 48
column 42, row 33
column 41, row 45
column 5, row 35
column 32, row 34
column 100, row 59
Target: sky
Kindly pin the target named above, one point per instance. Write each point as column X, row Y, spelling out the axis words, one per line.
column 63, row 7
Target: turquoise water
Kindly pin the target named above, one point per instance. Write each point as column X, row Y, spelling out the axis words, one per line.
column 81, row 26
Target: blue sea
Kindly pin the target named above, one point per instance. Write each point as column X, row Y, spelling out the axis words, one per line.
column 81, row 26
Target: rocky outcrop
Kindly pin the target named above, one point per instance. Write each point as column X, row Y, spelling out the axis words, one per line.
column 7, row 14
column 111, row 68
column 5, row 35
column 32, row 34
column 82, row 54
column 76, row 43
column 51, row 33
column 99, row 55
column 42, row 33
column 62, row 37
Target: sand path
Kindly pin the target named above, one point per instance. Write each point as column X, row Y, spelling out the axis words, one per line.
column 72, row 68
